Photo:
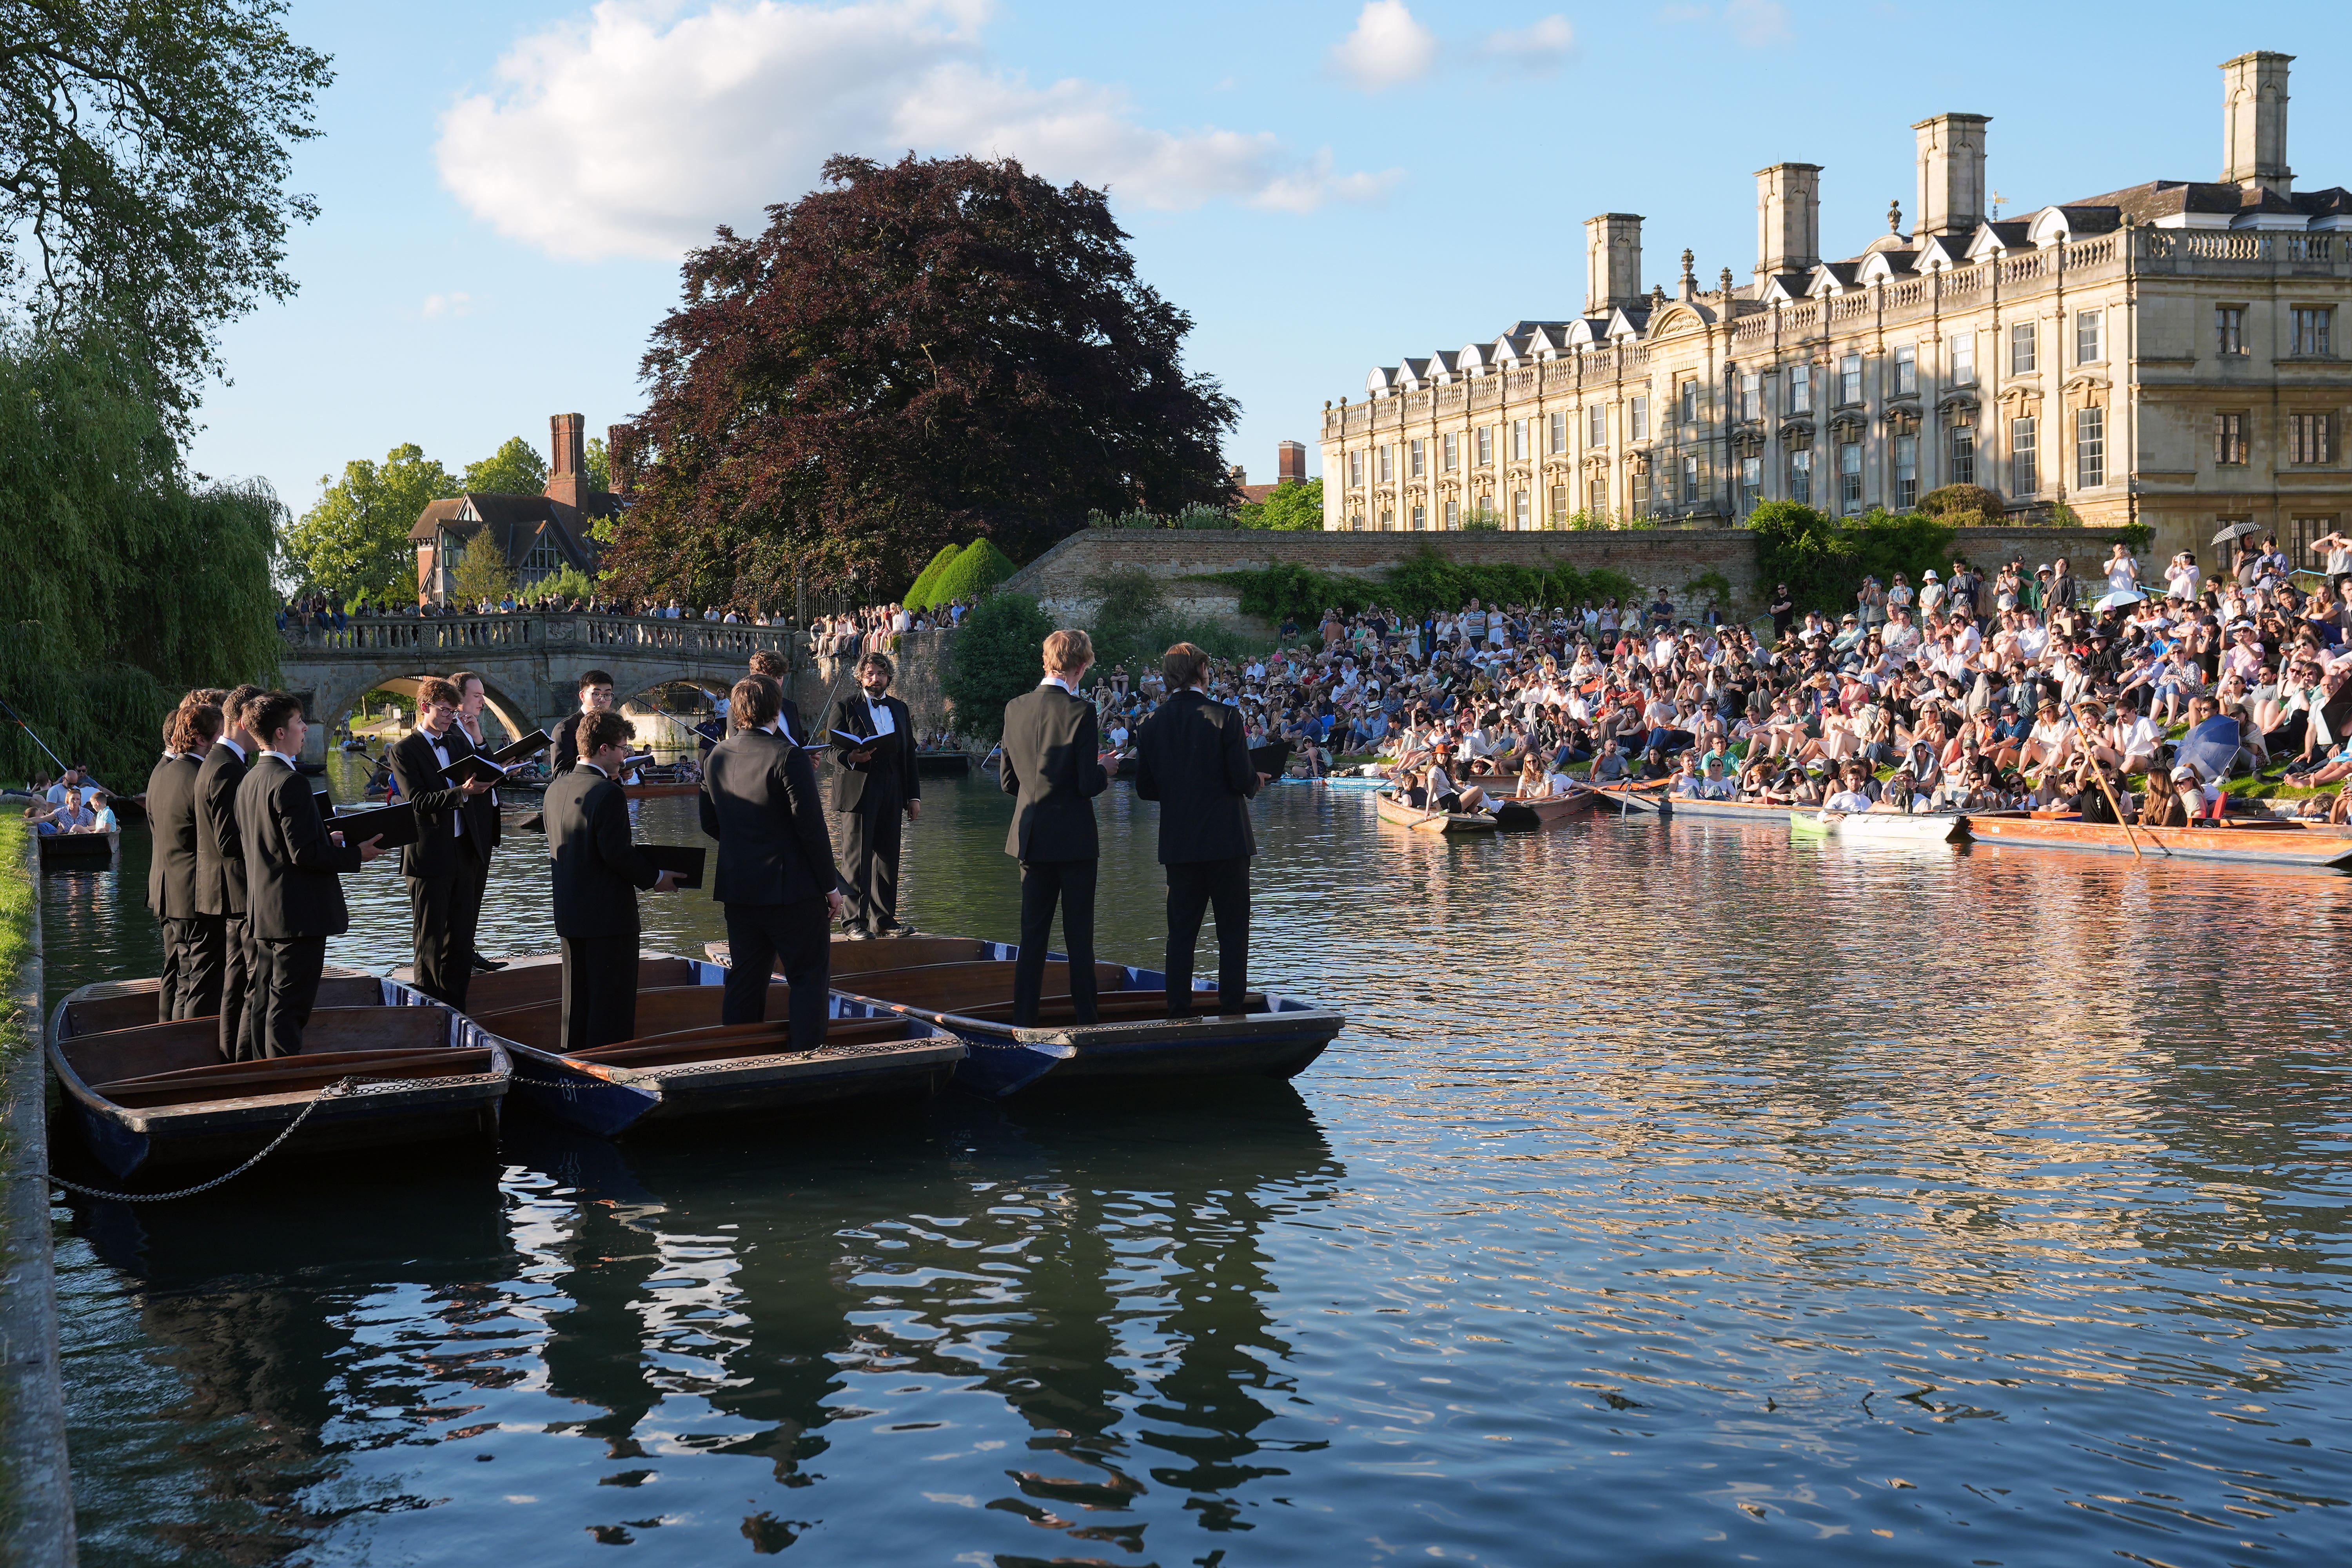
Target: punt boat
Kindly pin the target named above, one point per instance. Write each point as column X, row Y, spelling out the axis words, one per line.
column 149, row 1097
column 1391, row 809
column 2264, row 843
column 77, row 851
column 1882, row 827
column 684, row 1063
column 940, row 761
column 1510, row 811
column 659, row 791
column 965, row 986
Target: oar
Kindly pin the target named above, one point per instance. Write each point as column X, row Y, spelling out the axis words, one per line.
column 29, row 730
column 2109, row 791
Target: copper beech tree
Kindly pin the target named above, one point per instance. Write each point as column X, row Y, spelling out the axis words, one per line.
column 911, row 355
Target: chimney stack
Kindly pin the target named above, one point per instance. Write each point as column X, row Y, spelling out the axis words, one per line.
column 2254, row 122
column 1951, row 175
column 1290, row 463
column 1612, row 262
column 567, row 478
column 1788, row 218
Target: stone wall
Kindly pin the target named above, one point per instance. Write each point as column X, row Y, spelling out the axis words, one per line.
column 1183, row 560
column 921, row 656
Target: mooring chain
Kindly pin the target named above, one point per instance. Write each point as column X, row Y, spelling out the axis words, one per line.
column 332, row 1091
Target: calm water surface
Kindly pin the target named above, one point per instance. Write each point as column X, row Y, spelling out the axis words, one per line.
column 1676, row 1196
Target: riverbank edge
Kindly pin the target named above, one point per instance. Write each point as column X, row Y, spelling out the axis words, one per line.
column 36, row 1512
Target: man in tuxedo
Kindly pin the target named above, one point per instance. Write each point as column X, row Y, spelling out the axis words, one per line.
column 220, row 871
column 788, row 713
column 776, row 877
column 191, row 984
column 449, row 865
column 482, row 811
column 595, row 697
column 596, row 873
column 873, row 783
column 1190, row 757
column 1054, row 768
column 294, row 869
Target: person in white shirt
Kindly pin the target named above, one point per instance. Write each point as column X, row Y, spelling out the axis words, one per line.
column 1847, row 799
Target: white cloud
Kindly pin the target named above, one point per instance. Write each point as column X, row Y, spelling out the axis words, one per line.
column 1387, row 49
column 438, row 307
column 637, row 130
column 1755, row 23
column 1537, row 50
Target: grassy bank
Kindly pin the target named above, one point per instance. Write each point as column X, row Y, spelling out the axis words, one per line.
column 20, row 1031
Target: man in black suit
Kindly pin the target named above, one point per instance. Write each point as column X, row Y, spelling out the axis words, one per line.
column 220, row 871
column 294, row 869
column 776, row 877
column 482, row 812
column 788, row 713
column 597, row 872
column 449, row 864
column 872, row 785
column 191, row 981
column 595, row 697
column 1053, row 767
column 1191, row 758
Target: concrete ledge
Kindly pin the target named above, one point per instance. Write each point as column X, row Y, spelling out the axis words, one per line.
column 37, row 1509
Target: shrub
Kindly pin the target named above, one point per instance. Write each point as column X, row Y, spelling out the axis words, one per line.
column 1424, row 582
column 1942, row 502
column 1293, row 508
column 919, row 596
column 979, row 567
column 1824, row 563
column 994, row 657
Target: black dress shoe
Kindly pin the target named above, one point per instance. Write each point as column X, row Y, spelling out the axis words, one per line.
column 488, row 965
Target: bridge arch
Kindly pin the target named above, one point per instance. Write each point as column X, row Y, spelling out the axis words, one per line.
column 333, row 699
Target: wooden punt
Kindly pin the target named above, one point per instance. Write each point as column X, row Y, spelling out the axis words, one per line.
column 79, row 851
column 1391, row 809
column 1512, row 811
column 685, row 1063
column 940, row 763
column 659, row 791
column 149, row 1097
column 2268, row 844
column 965, row 986
column 1882, row 827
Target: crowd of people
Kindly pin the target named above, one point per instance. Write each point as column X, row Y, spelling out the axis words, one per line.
column 72, row 802
column 1973, row 691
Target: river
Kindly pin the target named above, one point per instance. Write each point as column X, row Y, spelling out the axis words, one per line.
column 1676, row 1195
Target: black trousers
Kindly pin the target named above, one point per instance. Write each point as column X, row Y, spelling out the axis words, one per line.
column 796, row 939
column 167, row 983
column 443, row 914
column 600, row 991
column 201, row 946
column 870, row 872
column 238, row 1010
column 1043, row 883
column 285, row 989
column 1194, row 886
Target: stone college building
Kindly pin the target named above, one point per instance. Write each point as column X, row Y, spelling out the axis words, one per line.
column 2170, row 354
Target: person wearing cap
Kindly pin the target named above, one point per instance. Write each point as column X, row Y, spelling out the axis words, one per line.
column 1931, row 592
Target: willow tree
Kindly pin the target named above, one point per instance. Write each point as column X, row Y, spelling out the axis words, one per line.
column 915, row 353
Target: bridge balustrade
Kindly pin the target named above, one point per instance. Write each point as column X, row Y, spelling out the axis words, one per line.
column 396, row 633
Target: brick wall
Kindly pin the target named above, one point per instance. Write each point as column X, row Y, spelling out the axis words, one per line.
column 1062, row 579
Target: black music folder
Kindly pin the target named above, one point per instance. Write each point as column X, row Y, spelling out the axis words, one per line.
column 1271, row 759
column 686, row 860
column 880, row 745
column 396, row 825
column 492, row 767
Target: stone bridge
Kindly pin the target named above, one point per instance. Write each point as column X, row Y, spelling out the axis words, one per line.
column 530, row 664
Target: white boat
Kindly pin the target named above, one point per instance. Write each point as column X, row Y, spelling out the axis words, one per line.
column 1886, row 826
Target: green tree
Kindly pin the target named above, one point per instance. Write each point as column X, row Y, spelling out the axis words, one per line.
column 482, row 572
column 921, row 596
column 126, row 584
column 514, row 469
column 597, row 464
column 569, row 583
column 147, row 145
column 1295, row 508
column 997, row 653
column 352, row 544
column 1824, row 561
column 979, row 567
column 930, row 350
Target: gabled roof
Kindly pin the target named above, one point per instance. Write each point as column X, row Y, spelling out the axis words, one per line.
column 517, row 523
column 1942, row 250
column 1522, row 329
column 1443, row 365
column 1783, row 288
column 1992, row 238
column 1834, row 276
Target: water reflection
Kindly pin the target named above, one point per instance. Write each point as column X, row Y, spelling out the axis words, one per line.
column 1678, row 1195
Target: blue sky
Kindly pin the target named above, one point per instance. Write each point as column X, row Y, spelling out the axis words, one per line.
column 507, row 185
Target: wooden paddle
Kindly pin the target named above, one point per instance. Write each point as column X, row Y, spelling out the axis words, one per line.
column 2108, row 790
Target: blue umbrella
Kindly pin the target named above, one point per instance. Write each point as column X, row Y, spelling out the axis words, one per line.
column 2211, row 748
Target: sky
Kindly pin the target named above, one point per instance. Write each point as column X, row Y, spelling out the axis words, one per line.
column 506, row 187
